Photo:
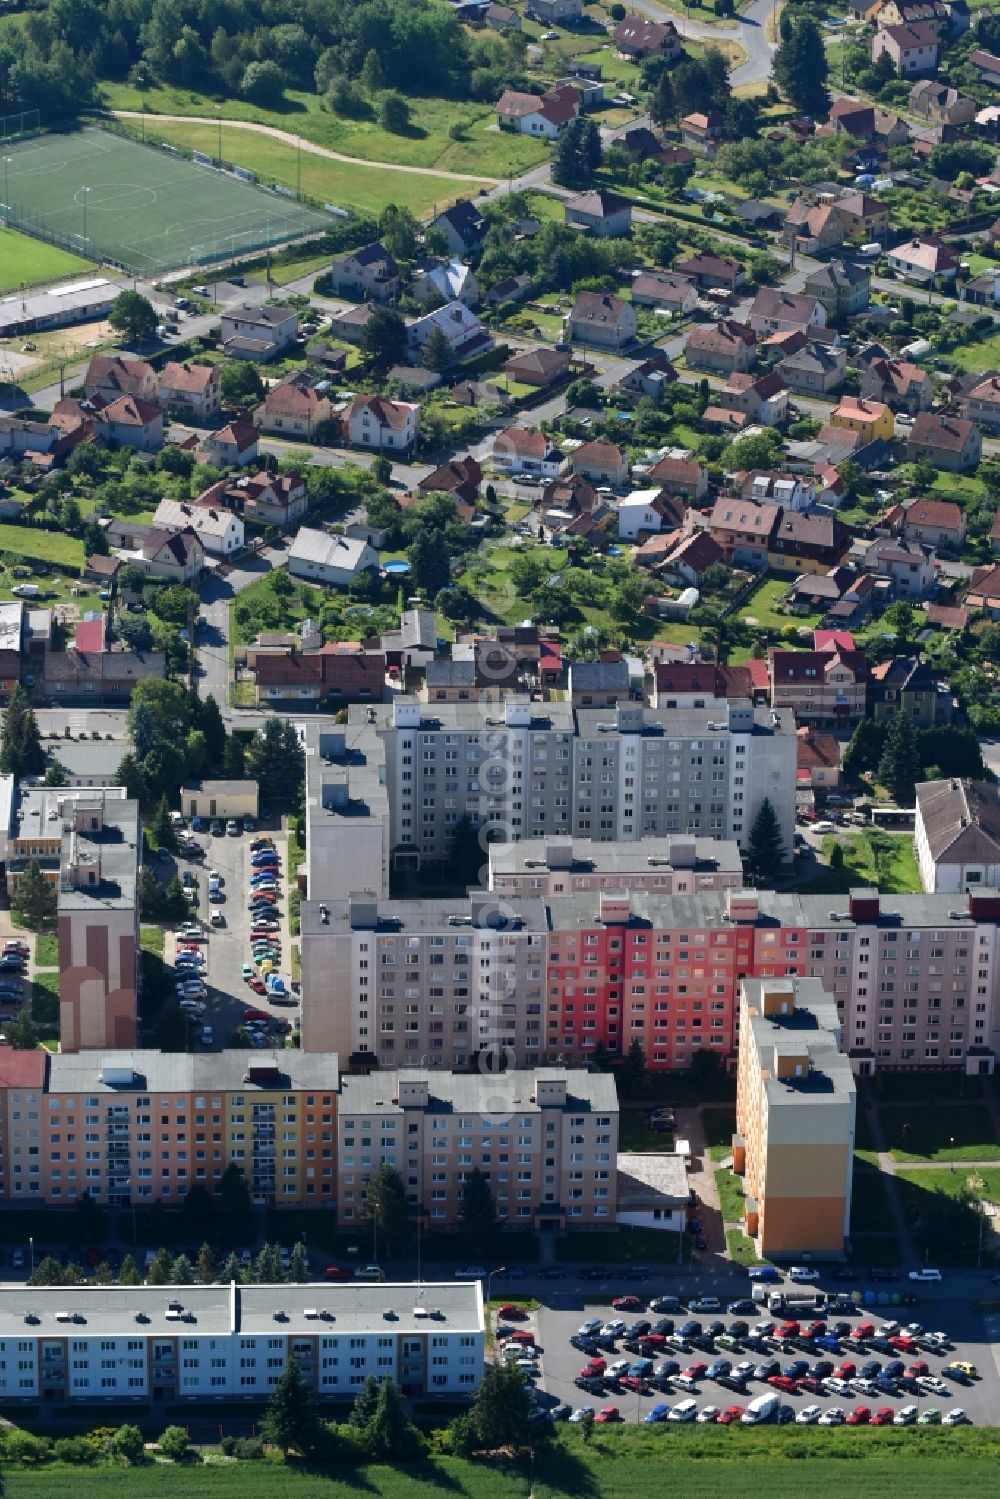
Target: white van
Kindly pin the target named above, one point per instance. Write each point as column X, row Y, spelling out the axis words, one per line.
column 762, row 1409
column 685, row 1410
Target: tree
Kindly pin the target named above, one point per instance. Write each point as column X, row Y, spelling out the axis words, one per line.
column 22, row 1033
column 478, row 1210
column 133, row 316
column 766, row 848
column 162, row 828
column 56, row 775
column 385, row 1206
column 663, row 106
column 158, row 1273
column 233, row 758
column 129, row 1275
column 390, row 1436
column 384, row 339
column 298, row 1266
column 234, row 1202
column 865, row 749
column 276, row 761
column 899, row 766
column 577, row 154
column 127, row 1442
column 48, row 1272
column 632, row 1075
column 232, row 1270
column 801, row 68
column 394, row 113
column 241, row 384
column 174, row 1444
column 182, row 1271
column 34, row 898
column 263, row 83
column 372, row 78
column 437, row 353
column 211, row 725
column 837, row 856
column 21, row 752
column 430, row 563
column 365, row 1403
column 290, row 1420
column 500, row 1414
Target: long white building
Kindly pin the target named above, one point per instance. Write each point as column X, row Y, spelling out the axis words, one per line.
column 87, row 1344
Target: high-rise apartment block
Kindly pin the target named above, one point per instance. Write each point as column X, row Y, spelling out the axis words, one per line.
column 661, row 866
column 348, row 843
column 795, row 1113
column 546, row 1140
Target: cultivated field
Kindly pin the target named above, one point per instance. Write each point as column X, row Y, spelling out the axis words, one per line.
column 115, row 199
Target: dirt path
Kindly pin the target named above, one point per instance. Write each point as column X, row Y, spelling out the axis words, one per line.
column 300, row 142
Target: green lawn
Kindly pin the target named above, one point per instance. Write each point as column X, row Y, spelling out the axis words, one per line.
column 45, row 998
column 635, row 1134
column 922, row 1134
column 718, row 1125
column 151, row 940
column 761, row 607
column 621, row 1246
column 47, row 950
column 895, row 873
column 740, row 1248
column 984, row 354
column 731, row 1197
column 427, row 143
column 28, row 262
column 352, row 185
column 984, row 1183
column 45, row 546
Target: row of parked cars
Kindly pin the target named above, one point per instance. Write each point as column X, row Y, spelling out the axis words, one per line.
column 261, row 971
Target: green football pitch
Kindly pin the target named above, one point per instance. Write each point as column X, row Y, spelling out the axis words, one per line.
column 111, row 198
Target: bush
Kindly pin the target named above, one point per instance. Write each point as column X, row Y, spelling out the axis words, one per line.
column 75, row 1450
column 247, row 1449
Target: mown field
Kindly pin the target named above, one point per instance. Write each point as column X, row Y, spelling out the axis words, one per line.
column 30, row 262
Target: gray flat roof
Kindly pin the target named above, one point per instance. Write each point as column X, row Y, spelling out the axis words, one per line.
column 479, row 1093
column 85, row 757
column 184, row 1072
column 645, row 855
column 428, row 915
column 214, row 1311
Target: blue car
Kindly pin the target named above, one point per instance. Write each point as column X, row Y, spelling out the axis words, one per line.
column 658, row 1413
column 766, row 1273
column 197, row 826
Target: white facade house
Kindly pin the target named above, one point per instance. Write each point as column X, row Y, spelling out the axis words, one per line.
column 460, row 326
column 258, row 333
column 220, row 531
column 377, row 422
column 637, row 513
column 957, row 836
column 323, row 558
column 91, row 1344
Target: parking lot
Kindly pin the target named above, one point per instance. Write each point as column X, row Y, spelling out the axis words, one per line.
column 227, row 947
column 973, row 1338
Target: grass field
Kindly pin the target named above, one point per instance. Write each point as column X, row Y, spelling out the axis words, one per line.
column 898, row 873
column 627, row 1463
column 47, row 950
column 762, row 607
column 348, row 184
column 43, row 546
column 144, row 208
column 731, row 1198
column 29, row 262
column 921, row 1134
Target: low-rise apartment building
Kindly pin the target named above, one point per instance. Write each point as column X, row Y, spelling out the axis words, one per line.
column 668, row 866
column 795, row 1117
column 547, row 1140
column 824, row 689
column 95, row 1345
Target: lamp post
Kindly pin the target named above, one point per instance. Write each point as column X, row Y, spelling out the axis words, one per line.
column 31, row 1249
column 951, row 1143
column 218, row 111
column 500, row 1270
column 6, row 192
column 85, row 191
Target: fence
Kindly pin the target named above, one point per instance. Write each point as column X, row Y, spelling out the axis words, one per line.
column 15, row 126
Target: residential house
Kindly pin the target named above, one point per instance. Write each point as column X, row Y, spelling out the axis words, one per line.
column 995, row 535
column 112, row 375
column 934, row 101
column 864, row 219
column 683, row 476
column 870, row 419
column 825, row 689
column 744, row 531
column 221, row 531
column 502, row 18
column 890, row 130
column 910, row 49
column 921, row 260
column 194, row 391
column 814, row 227
column 334, row 675
column 637, row 38
column 644, row 513
column 538, row 367
column 459, row 477
column 774, row 310
column 460, row 326
column 905, row 12
column 351, row 324
column 336, row 560
column 526, row 450
column 908, row 565
column 598, row 318
column 982, row 404
column 690, row 556
column 949, row 442
column 987, row 66
column 258, row 332
column 762, row 399
column 983, row 591
column 701, row 132
column 99, row 677
column 790, row 491
column 600, row 462
column 841, row 286
column 957, row 835
column 935, row 523
column 370, row 272
column 807, row 543
column 233, row 446
column 714, row 271
column 376, row 422
column 555, row 12
column 296, row 407
column 564, row 501
column 413, row 380
column 544, row 115
column 815, row 369
column 280, row 500
column 676, row 294
column 818, row 767
column 599, row 684
column 600, row 213
column 901, row 385
column 452, row 281
column 130, row 422
column 983, row 290
column 850, row 117
column 906, row 685
column 650, row 378
column 512, row 289
column 176, row 555
column 722, row 348
column 462, row 225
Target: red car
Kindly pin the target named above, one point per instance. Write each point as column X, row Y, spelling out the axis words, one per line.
column 628, row 1304
column 336, row 1272
column 608, row 1413
column 783, row 1383
column 859, row 1416
column 593, row 1366
column 817, row 1329
column 811, row 1385
column 696, row 1371
column 729, row 1415
column 512, row 1313
column 789, row 1330
column 258, row 986
column 903, row 1345
column 256, row 1015
column 636, row 1385
column 920, row 1367
column 846, row 1370
column 883, row 1416
column 865, row 1330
